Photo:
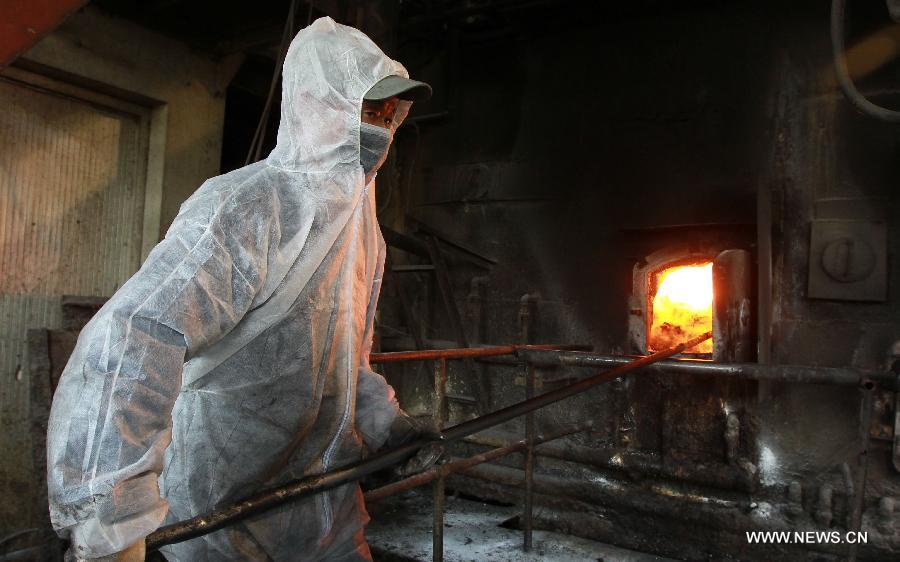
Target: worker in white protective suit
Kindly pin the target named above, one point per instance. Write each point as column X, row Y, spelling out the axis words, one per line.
column 237, row 357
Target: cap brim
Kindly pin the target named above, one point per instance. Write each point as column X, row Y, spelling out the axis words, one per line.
column 397, row 86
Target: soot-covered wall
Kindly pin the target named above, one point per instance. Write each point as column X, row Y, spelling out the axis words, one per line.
column 558, row 141
column 580, row 142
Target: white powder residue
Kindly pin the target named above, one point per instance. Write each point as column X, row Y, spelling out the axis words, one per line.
column 763, row 510
column 769, row 467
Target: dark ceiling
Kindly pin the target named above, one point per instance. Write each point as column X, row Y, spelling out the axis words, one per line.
column 217, row 27
column 223, row 27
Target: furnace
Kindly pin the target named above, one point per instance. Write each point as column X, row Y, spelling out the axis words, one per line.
column 686, row 289
column 680, row 306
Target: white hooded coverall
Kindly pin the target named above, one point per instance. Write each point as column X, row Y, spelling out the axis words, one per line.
column 237, row 357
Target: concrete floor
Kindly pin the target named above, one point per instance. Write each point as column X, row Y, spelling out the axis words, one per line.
column 401, row 531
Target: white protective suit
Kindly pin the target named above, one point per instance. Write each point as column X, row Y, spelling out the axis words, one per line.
column 237, row 357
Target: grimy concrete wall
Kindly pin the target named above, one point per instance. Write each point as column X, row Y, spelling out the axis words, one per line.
column 564, row 149
column 185, row 93
column 127, row 60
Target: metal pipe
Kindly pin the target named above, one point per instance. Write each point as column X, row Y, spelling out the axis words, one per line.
column 528, row 508
column 525, row 314
column 437, row 525
column 458, row 353
column 398, row 343
column 865, row 433
column 740, row 476
column 856, row 98
column 510, row 412
column 745, row 371
column 29, row 553
column 437, row 530
column 311, row 485
column 462, row 464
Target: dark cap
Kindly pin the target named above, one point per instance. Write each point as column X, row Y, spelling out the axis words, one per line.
column 403, row 88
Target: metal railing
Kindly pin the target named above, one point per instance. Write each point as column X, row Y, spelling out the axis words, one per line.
column 438, row 474
column 529, row 357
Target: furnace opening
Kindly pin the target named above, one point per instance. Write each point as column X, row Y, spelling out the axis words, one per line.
column 680, row 304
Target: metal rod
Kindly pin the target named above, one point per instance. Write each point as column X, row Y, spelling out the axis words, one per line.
column 311, row 485
column 24, row 554
column 525, row 312
column 862, row 469
column 510, row 412
column 481, row 384
column 744, row 371
column 437, row 530
column 459, row 353
column 437, row 526
column 415, row 327
column 528, row 509
column 399, row 343
column 741, row 476
column 449, row 468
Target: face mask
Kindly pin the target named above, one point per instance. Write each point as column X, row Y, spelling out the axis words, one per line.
column 374, row 143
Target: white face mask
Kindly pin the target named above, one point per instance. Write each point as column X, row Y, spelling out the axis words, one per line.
column 374, row 143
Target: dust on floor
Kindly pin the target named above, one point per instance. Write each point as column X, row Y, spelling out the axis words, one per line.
column 401, row 531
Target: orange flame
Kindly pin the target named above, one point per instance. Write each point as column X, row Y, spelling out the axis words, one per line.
column 682, row 307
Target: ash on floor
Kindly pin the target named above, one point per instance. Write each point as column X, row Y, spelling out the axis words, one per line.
column 401, row 531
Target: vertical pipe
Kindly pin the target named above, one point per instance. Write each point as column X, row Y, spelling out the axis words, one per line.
column 481, row 387
column 527, row 516
column 437, row 533
column 862, row 469
column 525, row 307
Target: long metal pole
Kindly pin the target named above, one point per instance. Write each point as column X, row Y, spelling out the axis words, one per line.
column 511, row 412
column 862, row 468
column 444, row 470
column 311, row 485
column 437, row 529
column 745, row 371
column 462, row 353
column 528, row 508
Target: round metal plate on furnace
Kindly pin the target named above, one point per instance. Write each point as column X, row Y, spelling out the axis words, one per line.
column 848, row 260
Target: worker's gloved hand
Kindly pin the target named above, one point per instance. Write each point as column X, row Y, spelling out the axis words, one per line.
column 134, row 553
column 407, row 429
column 427, row 457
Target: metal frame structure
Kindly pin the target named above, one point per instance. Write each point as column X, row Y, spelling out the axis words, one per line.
column 438, row 474
column 528, row 357
column 305, row 487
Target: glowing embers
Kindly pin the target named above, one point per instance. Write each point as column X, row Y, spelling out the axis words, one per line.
column 681, row 306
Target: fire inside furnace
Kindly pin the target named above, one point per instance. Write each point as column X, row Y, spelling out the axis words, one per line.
column 682, row 307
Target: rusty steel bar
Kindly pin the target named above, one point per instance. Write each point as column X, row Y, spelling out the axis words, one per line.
column 480, row 384
column 437, row 530
column 745, row 371
column 437, row 525
column 511, row 412
column 459, row 353
column 445, row 470
column 528, row 508
column 862, row 461
column 311, row 485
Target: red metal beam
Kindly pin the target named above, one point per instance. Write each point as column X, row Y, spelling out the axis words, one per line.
column 24, row 22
